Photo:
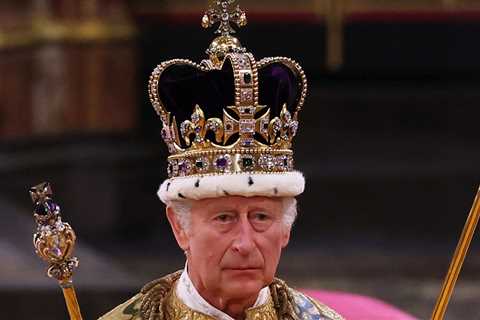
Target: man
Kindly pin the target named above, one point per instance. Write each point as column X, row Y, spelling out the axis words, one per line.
column 230, row 196
column 233, row 247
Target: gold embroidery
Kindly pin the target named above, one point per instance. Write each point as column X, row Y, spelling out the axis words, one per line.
column 175, row 309
column 158, row 301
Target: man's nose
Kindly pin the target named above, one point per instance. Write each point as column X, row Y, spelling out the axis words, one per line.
column 244, row 243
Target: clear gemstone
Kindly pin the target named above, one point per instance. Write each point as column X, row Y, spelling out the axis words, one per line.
column 183, row 128
column 277, row 125
column 282, row 163
column 165, row 133
column 172, row 168
column 267, row 162
column 246, row 95
column 213, row 126
column 293, row 128
column 247, row 125
column 195, row 117
column 59, row 225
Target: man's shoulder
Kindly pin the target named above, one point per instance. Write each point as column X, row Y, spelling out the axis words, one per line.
column 147, row 301
column 306, row 307
column 129, row 310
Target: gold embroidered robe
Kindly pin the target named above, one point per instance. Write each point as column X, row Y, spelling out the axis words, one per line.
column 158, row 301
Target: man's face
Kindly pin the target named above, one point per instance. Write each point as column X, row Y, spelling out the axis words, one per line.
column 234, row 244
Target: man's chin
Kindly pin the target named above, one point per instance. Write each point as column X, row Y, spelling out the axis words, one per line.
column 243, row 282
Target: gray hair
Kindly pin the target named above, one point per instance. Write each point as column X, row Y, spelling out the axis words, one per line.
column 182, row 209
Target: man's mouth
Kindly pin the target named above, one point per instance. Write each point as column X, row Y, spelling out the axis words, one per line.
column 242, row 268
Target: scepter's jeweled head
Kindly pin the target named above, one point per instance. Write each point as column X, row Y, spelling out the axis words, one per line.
column 54, row 240
column 229, row 122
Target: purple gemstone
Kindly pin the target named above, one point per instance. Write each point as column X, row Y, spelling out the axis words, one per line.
column 182, row 167
column 221, row 162
column 45, row 208
column 56, row 252
column 51, row 206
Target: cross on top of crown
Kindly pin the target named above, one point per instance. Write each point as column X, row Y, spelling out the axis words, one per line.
column 225, row 12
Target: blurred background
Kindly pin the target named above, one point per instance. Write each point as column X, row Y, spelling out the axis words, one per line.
column 388, row 143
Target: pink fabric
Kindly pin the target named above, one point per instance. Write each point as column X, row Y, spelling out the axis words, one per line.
column 356, row 307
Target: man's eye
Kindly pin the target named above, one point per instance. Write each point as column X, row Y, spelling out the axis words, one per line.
column 224, row 218
column 260, row 216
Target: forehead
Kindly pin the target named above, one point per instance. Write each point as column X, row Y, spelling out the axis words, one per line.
column 238, row 203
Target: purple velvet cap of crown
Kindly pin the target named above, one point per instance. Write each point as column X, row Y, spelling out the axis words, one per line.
column 183, row 86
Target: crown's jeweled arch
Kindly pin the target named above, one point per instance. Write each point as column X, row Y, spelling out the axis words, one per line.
column 245, row 136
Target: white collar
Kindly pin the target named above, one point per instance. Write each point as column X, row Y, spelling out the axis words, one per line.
column 189, row 295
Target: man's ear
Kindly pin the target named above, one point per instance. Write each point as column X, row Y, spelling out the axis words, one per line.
column 286, row 236
column 179, row 232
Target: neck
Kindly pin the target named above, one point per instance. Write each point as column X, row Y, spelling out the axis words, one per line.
column 233, row 306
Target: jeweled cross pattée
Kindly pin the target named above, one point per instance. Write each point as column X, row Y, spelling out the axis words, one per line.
column 225, row 12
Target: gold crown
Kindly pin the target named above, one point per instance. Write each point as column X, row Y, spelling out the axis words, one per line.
column 245, row 136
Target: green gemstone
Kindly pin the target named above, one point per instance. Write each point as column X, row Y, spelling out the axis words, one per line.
column 199, row 164
column 247, row 162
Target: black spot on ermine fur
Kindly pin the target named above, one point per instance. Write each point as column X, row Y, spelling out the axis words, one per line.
column 181, row 196
column 197, row 183
column 250, row 181
column 168, row 186
column 275, row 190
column 226, row 193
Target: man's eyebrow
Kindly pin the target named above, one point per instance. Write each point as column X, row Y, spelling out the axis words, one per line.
column 213, row 209
column 267, row 208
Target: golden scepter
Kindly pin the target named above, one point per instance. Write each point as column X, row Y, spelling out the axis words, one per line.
column 54, row 242
column 457, row 260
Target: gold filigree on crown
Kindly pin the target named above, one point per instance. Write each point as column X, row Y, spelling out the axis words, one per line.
column 243, row 137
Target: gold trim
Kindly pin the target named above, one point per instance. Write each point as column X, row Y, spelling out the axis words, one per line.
column 46, row 30
column 16, row 39
column 335, row 16
column 268, row 161
column 84, row 31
